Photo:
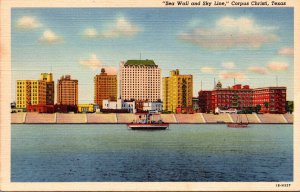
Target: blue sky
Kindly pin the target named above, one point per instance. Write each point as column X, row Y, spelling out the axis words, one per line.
column 252, row 45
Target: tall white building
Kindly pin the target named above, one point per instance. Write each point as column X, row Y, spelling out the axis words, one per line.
column 140, row 80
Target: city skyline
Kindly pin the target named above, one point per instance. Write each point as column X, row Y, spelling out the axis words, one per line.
column 81, row 41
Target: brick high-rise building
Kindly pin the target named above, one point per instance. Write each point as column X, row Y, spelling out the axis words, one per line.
column 205, row 101
column 30, row 92
column 49, row 87
column 140, row 80
column 177, row 91
column 105, row 87
column 67, row 91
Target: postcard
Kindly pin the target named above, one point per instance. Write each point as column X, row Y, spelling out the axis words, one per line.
column 149, row 96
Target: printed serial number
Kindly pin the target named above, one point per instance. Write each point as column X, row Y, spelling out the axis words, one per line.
column 283, row 185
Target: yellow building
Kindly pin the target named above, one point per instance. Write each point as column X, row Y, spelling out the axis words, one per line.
column 177, row 91
column 30, row 92
column 85, row 108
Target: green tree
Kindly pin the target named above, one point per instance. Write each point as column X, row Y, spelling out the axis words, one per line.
column 247, row 110
column 257, row 108
column 290, row 106
column 266, row 104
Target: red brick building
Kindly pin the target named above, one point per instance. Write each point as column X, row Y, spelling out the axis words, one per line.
column 271, row 99
column 41, row 108
column 237, row 96
column 67, row 91
column 205, row 101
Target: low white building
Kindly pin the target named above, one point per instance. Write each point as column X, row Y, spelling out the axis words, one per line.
column 152, row 106
column 119, row 104
column 228, row 111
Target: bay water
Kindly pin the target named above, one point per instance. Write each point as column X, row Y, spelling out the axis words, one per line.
column 184, row 152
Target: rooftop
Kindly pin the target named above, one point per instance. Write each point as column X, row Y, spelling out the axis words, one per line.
column 140, row 62
column 272, row 87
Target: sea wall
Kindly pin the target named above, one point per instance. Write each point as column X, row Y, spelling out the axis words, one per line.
column 112, row 118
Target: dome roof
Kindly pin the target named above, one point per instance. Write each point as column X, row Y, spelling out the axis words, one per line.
column 219, row 85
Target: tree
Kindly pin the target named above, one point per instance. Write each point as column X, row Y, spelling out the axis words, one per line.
column 266, row 104
column 290, row 106
column 257, row 108
column 248, row 110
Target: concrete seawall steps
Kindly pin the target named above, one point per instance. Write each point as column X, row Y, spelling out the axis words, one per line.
column 18, row 117
column 284, row 119
column 230, row 117
column 224, row 117
column 128, row 117
column 252, row 118
column 271, row 118
column 101, row 118
column 211, row 118
column 40, row 118
column 258, row 119
column 125, row 117
column 242, row 117
column 168, row 118
column 201, row 116
column 189, row 118
column 71, row 118
column 175, row 118
column 289, row 117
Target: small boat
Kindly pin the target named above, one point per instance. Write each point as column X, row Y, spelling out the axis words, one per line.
column 238, row 123
column 146, row 122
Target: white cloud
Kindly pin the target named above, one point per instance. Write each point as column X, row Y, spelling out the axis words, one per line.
column 28, row 22
column 277, row 66
column 258, row 70
column 230, row 32
column 289, row 51
column 228, row 65
column 94, row 63
column 50, row 37
column 209, row 70
column 231, row 75
column 120, row 28
column 241, row 25
column 90, row 32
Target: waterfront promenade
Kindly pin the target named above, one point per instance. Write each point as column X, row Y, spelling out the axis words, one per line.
column 119, row 118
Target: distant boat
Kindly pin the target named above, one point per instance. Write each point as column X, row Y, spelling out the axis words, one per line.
column 146, row 122
column 238, row 123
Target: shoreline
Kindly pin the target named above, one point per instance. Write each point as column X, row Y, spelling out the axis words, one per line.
column 124, row 118
column 126, row 123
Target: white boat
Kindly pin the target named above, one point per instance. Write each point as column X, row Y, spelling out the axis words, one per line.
column 147, row 122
